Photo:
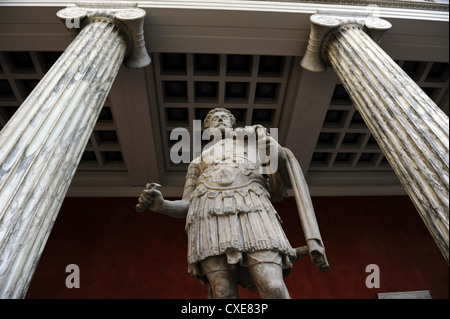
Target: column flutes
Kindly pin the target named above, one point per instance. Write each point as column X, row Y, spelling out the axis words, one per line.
column 409, row 127
column 43, row 142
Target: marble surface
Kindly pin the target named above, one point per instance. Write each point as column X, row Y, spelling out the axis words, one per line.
column 409, row 127
column 43, row 143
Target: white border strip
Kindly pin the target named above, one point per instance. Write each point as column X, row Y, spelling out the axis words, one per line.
column 263, row 6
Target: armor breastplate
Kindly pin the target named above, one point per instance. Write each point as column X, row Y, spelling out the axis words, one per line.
column 229, row 165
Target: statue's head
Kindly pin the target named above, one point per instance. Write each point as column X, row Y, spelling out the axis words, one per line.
column 219, row 117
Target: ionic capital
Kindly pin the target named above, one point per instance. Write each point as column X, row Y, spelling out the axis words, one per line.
column 323, row 27
column 128, row 18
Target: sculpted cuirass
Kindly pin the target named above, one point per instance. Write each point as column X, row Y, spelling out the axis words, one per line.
column 230, row 164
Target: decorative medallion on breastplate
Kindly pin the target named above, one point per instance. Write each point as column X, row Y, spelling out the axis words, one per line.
column 224, row 176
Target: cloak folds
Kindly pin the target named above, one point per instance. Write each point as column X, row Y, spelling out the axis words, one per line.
column 308, row 220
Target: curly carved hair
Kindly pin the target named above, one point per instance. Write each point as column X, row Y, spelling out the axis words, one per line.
column 207, row 120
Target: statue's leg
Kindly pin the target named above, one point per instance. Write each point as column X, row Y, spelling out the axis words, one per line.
column 222, row 277
column 267, row 274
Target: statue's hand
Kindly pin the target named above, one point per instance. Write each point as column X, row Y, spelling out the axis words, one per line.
column 151, row 198
column 269, row 146
column 320, row 261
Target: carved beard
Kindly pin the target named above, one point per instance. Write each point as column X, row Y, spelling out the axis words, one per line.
column 220, row 132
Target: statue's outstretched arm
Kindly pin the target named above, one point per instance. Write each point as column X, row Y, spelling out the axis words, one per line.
column 152, row 199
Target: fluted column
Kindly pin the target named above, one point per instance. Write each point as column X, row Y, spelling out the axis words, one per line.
column 43, row 142
column 409, row 127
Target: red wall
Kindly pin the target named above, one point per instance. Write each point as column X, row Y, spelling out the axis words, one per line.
column 124, row 254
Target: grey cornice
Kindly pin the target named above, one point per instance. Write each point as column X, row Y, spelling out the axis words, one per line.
column 429, row 5
column 404, row 4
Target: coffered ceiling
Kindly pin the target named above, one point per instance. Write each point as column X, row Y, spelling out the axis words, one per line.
column 246, row 61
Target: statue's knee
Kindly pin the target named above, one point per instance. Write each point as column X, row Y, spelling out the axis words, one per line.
column 276, row 289
column 269, row 281
column 222, row 291
column 223, row 286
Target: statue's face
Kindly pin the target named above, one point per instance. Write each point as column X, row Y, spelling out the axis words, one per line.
column 220, row 120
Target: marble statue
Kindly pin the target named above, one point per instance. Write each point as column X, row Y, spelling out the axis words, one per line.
column 234, row 234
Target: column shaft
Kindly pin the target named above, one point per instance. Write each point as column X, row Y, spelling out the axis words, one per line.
column 42, row 144
column 409, row 127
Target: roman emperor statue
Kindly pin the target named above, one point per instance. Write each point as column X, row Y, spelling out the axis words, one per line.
column 235, row 236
